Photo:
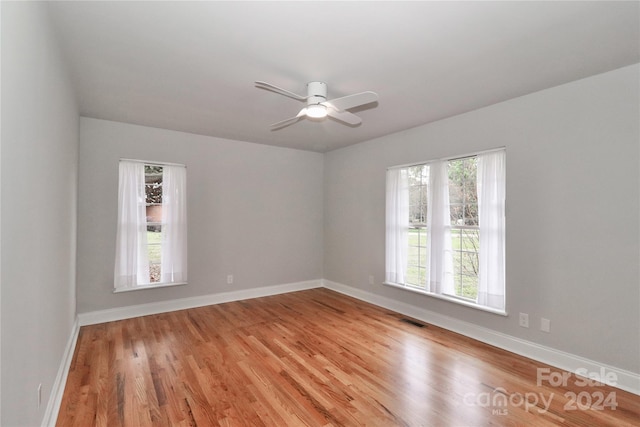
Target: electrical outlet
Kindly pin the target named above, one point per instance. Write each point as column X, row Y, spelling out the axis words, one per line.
column 545, row 325
column 524, row 320
column 230, row 279
column 39, row 395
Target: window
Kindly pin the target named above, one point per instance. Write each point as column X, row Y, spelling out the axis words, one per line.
column 446, row 228
column 151, row 239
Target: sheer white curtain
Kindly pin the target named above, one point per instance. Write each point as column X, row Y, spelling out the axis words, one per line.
column 439, row 252
column 132, row 263
column 173, row 267
column 491, row 205
column 397, row 221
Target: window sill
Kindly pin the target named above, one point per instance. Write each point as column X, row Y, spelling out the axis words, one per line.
column 455, row 300
column 150, row 286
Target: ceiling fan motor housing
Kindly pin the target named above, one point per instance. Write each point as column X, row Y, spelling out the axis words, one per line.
column 316, row 92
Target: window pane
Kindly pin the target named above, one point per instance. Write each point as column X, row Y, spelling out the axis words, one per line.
column 417, row 180
column 414, row 195
column 423, row 278
column 457, row 278
column 463, row 207
column 154, row 242
column 413, row 257
column 153, row 190
column 413, row 275
column 153, row 184
column 469, row 266
column 469, row 287
column 418, row 177
column 423, row 247
column 465, row 246
column 463, row 194
column 457, row 216
column 470, row 239
column 456, row 195
column 471, row 214
column 416, row 276
column 417, row 257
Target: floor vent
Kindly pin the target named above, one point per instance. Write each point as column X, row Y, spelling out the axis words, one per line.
column 412, row 322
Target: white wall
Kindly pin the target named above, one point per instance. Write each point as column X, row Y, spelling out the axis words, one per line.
column 39, row 176
column 572, row 212
column 254, row 211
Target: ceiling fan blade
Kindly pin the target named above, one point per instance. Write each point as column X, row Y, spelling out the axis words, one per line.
column 276, row 89
column 351, row 101
column 289, row 121
column 344, row 116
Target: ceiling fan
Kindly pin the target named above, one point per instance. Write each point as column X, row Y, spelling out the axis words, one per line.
column 317, row 105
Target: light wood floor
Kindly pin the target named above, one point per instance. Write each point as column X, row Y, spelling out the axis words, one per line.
column 314, row 358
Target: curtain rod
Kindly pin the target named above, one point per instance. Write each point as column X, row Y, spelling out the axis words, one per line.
column 476, row 153
column 147, row 162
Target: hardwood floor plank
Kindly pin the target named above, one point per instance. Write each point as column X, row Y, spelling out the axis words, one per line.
column 314, row 358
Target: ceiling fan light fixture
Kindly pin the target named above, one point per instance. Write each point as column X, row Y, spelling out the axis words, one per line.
column 316, row 111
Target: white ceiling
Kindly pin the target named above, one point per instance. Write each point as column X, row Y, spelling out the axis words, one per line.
column 191, row 66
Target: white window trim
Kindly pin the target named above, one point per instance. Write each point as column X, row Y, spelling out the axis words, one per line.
column 443, row 159
column 154, row 285
column 445, row 297
column 153, row 163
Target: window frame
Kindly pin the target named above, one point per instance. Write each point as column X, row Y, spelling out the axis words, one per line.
column 446, row 296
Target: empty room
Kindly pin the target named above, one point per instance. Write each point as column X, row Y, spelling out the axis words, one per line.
column 320, row 213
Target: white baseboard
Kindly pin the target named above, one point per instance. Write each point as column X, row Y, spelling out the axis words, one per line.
column 131, row 311
column 57, row 389
column 624, row 380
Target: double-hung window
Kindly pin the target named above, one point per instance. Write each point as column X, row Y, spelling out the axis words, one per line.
column 445, row 229
column 151, row 238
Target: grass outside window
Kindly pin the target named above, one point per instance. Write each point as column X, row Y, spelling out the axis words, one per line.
column 465, row 244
